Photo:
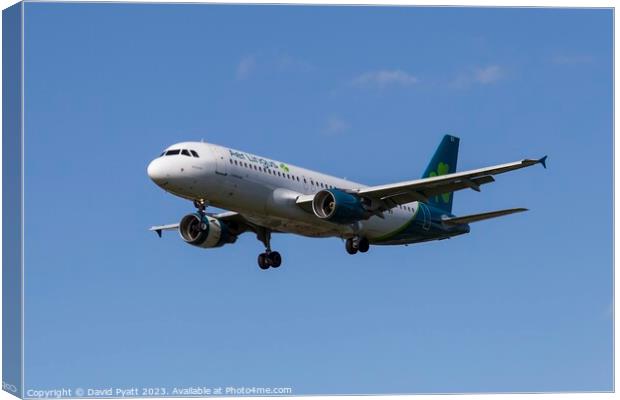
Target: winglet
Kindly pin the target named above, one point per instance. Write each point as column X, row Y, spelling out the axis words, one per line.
column 158, row 232
column 543, row 161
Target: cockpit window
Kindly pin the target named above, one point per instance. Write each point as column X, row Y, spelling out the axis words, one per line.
column 194, row 153
column 185, row 153
column 173, row 152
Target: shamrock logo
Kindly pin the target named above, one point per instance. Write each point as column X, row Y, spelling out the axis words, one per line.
column 284, row 167
column 442, row 169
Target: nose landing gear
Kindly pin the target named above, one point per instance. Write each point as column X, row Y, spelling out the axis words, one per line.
column 355, row 244
column 201, row 206
column 268, row 258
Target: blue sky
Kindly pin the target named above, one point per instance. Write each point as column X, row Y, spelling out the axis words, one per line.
column 523, row 303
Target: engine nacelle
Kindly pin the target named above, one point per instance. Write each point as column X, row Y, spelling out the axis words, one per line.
column 338, row 206
column 205, row 231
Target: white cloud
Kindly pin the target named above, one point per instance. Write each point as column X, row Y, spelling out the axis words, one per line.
column 335, row 126
column 490, row 74
column 245, row 67
column 383, row 78
column 481, row 76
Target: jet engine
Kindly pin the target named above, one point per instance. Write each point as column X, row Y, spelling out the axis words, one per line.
column 338, row 206
column 205, row 231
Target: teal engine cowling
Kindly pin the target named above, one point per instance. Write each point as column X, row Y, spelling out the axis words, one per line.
column 205, row 231
column 338, row 206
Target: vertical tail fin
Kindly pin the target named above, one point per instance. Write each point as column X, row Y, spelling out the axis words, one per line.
column 443, row 162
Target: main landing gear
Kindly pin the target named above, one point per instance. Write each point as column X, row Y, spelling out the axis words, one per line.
column 268, row 258
column 355, row 244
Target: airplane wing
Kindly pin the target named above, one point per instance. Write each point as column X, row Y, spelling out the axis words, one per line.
column 421, row 189
column 235, row 221
column 392, row 195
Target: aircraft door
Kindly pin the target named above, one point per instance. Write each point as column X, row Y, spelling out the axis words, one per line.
column 229, row 185
column 220, row 156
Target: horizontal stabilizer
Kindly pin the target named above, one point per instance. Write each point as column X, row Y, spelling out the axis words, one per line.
column 480, row 217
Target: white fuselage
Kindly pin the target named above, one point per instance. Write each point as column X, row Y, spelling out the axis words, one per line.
column 264, row 191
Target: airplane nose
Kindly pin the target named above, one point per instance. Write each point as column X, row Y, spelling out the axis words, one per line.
column 156, row 171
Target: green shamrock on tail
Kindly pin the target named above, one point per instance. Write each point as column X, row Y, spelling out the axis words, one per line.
column 442, row 169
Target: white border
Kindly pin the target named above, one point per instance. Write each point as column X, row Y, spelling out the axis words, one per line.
column 478, row 3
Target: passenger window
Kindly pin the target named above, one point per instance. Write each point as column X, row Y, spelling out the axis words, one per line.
column 194, row 153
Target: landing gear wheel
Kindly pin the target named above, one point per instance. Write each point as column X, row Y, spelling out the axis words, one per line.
column 263, row 261
column 268, row 258
column 350, row 246
column 275, row 259
column 363, row 245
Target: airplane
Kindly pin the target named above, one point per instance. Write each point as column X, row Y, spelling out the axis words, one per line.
column 266, row 196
